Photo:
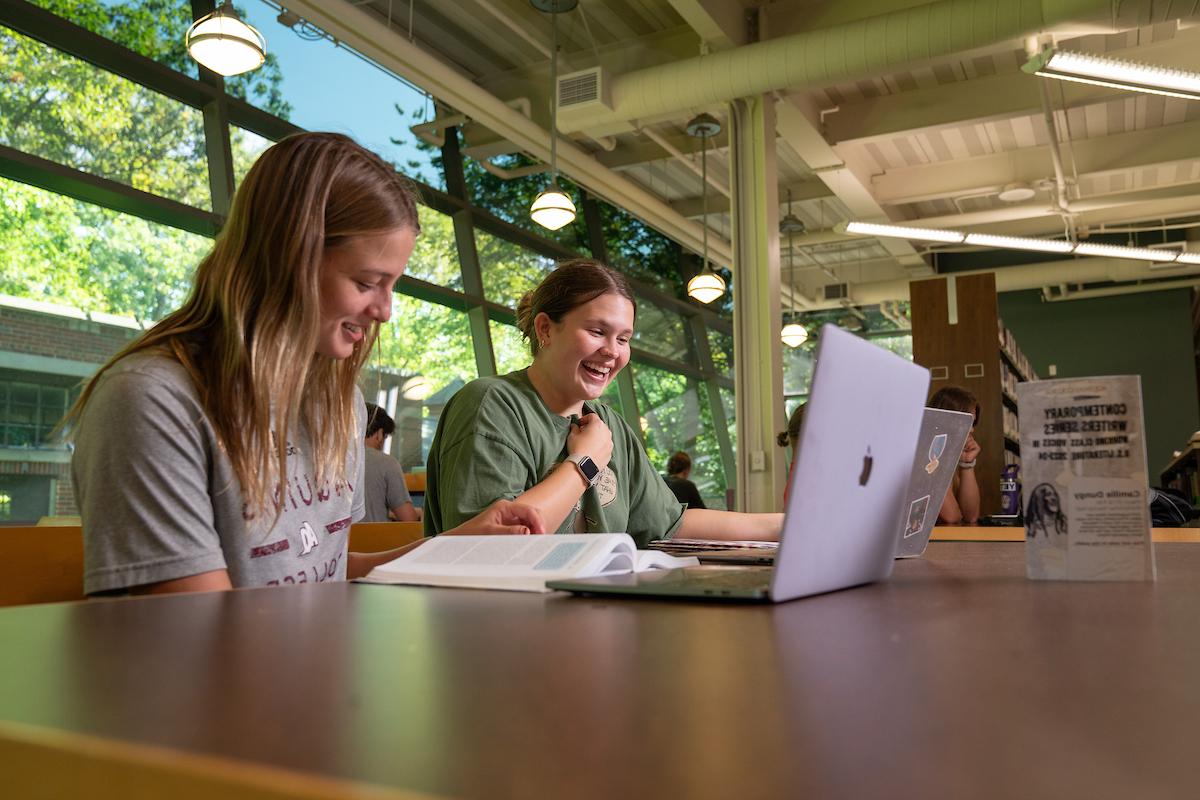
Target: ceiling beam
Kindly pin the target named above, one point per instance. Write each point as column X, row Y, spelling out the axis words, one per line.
column 1165, row 146
column 693, row 207
column 643, row 151
column 846, row 180
column 988, row 98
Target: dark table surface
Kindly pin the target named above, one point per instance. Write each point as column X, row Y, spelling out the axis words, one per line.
column 956, row 678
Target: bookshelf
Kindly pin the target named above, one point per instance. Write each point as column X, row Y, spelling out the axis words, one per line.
column 958, row 335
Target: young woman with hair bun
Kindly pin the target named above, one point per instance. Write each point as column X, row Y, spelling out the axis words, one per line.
column 224, row 447
column 538, row 436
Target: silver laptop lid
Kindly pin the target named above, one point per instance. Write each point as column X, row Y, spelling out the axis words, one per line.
column 943, row 434
column 851, row 474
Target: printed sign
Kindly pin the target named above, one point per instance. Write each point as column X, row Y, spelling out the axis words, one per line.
column 1083, row 455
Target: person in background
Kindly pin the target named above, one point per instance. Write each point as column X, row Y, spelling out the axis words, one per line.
column 539, row 436
column 961, row 504
column 790, row 437
column 679, row 467
column 387, row 496
column 223, row 448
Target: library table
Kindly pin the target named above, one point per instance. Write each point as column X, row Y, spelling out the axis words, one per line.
column 956, row 678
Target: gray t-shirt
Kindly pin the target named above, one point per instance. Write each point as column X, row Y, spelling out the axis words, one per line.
column 160, row 501
column 384, row 487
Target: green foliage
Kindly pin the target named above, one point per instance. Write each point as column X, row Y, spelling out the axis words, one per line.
column 676, row 416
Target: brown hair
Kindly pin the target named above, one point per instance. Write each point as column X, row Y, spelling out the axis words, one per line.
column 955, row 398
column 678, row 463
column 247, row 334
column 792, row 434
column 572, row 284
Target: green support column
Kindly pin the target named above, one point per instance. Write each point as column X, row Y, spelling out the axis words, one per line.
column 758, row 368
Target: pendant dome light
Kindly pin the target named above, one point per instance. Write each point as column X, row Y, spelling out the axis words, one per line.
column 793, row 335
column 706, row 286
column 553, row 208
column 224, row 44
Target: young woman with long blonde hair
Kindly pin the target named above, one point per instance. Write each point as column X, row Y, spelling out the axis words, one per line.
column 224, row 447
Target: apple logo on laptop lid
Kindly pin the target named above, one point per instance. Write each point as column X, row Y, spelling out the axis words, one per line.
column 868, row 462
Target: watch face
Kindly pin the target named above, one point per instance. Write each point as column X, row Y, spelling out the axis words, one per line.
column 589, row 468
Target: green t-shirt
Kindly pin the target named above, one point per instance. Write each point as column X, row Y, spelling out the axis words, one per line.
column 496, row 439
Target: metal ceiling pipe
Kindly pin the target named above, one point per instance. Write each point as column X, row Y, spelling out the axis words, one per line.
column 1032, row 276
column 863, row 48
column 1065, row 294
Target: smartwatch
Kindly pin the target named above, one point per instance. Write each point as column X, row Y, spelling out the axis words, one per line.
column 587, row 468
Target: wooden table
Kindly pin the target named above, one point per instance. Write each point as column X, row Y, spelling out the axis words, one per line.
column 956, row 678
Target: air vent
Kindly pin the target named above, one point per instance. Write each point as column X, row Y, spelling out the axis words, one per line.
column 584, row 89
column 837, row 291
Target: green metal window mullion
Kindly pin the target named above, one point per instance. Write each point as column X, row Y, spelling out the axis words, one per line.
column 468, row 256
column 216, row 130
column 626, row 389
column 59, row 179
column 715, row 406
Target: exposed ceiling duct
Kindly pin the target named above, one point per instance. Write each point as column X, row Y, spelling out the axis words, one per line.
column 865, row 47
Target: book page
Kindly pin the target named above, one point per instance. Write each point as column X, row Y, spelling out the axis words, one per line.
column 654, row 559
column 508, row 562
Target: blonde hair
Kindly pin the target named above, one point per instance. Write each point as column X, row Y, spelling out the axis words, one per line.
column 247, row 334
column 571, row 285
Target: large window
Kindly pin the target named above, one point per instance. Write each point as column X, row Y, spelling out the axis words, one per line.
column 424, row 357
column 29, row 412
column 66, row 110
column 676, row 416
column 88, row 276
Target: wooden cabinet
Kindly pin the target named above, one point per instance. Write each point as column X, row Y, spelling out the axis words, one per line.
column 958, row 335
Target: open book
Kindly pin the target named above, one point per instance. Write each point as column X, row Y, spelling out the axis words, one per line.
column 519, row 563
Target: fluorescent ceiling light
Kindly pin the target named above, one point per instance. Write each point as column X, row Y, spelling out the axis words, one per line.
column 1020, row 243
column 901, row 232
column 1103, row 71
column 1117, row 251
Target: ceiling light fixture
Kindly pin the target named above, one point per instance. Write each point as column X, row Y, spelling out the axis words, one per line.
column 900, row 232
column 553, row 208
column 793, row 335
column 706, row 285
column 1016, row 193
column 1018, row 243
column 221, row 42
column 1104, row 71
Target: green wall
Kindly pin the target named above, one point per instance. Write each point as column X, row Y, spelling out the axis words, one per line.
column 1148, row 334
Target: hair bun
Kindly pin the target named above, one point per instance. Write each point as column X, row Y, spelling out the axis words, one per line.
column 525, row 315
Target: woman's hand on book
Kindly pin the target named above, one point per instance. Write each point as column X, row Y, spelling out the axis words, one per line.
column 503, row 516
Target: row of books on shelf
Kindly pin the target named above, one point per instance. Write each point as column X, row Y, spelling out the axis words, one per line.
column 1008, row 343
column 1012, row 428
column 1011, row 458
column 1008, row 381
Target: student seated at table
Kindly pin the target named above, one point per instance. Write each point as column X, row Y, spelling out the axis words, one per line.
column 961, row 504
column 790, row 437
column 679, row 467
column 224, row 447
column 539, row 437
column 387, row 496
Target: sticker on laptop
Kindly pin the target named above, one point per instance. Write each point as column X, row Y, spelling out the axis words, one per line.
column 916, row 514
column 936, row 448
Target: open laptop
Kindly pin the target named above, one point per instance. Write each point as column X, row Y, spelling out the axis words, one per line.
column 847, row 487
column 943, row 434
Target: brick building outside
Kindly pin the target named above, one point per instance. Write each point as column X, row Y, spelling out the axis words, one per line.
column 46, row 352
